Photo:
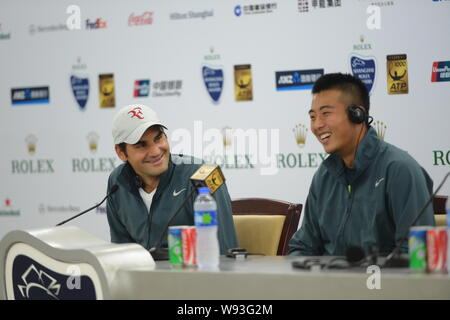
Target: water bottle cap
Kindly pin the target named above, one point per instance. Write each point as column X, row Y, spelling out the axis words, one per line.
column 203, row 190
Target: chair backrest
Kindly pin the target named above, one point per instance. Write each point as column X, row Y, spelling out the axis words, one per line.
column 440, row 216
column 265, row 226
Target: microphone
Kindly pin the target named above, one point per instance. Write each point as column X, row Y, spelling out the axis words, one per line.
column 111, row 191
column 210, row 176
column 394, row 259
column 355, row 255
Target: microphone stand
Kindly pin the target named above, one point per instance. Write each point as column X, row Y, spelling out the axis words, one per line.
column 162, row 253
column 113, row 189
column 397, row 260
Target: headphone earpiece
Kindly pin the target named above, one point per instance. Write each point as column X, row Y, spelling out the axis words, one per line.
column 357, row 114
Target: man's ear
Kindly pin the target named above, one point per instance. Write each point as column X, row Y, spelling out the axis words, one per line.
column 120, row 153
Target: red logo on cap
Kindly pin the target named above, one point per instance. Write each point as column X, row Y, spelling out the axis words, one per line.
column 136, row 112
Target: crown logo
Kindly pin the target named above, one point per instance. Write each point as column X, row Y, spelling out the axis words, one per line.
column 79, row 64
column 31, row 143
column 226, row 136
column 92, row 138
column 300, row 132
column 380, row 128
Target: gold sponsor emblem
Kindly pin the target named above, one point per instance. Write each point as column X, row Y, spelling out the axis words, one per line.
column 210, row 176
column 397, row 74
column 107, row 91
column 226, row 136
column 243, row 86
column 380, row 128
column 300, row 132
column 92, row 138
column 31, row 143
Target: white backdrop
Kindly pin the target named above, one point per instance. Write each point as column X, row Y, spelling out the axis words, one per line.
column 36, row 49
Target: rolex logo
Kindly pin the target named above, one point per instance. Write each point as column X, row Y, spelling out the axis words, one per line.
column 362, row 45
column 212, row 54
column 31, row 143
column 226, row 136
column 300, row 132
column 92, row 138
column 380, row 128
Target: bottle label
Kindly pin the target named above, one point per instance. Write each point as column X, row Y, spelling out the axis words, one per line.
column 205, row 218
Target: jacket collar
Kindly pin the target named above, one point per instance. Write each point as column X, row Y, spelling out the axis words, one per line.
column 367, row 150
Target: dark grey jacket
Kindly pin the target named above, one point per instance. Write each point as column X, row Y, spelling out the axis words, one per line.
column 129, row 220
column 374, row 204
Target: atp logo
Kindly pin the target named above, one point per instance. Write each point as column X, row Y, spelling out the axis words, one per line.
column 136, row 112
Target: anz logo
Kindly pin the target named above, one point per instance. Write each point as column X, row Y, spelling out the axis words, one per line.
column 297, row 79
column 289, row 79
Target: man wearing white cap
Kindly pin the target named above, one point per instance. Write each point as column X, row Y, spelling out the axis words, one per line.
column 154, row 183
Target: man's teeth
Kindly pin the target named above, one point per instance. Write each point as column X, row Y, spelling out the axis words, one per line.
column 325, row 135
column 153, row 160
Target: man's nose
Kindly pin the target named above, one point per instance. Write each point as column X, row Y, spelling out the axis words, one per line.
column 317, row 124
column 153, row 150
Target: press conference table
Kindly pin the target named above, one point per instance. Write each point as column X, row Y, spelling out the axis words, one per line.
column 273, row 278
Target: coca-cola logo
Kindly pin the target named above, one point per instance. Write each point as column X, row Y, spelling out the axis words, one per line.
column 140, row 20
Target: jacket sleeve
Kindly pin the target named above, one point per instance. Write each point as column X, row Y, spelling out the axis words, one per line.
column 117, row 230
column 307, row 241
column 226, row 233
column 409, row 187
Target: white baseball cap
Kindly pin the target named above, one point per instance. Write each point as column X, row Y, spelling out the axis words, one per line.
column 130, row 123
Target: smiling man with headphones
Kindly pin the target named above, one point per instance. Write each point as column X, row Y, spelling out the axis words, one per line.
column 367, row 192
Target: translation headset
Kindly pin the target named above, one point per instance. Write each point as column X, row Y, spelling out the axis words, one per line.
column 357, row 114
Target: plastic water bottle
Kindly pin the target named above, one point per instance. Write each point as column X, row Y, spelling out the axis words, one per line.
column 207, row 244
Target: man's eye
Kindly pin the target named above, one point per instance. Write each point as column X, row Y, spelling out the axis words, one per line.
column 312, row 118
column 159, row 137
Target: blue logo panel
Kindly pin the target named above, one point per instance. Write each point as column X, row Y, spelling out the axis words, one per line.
column 80, row 89
column 213, row 79
column 365, row 69
column 297, row 79
column 30, row 95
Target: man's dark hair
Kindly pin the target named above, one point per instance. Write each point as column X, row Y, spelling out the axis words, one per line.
column 347, row 84
column 123, row 145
